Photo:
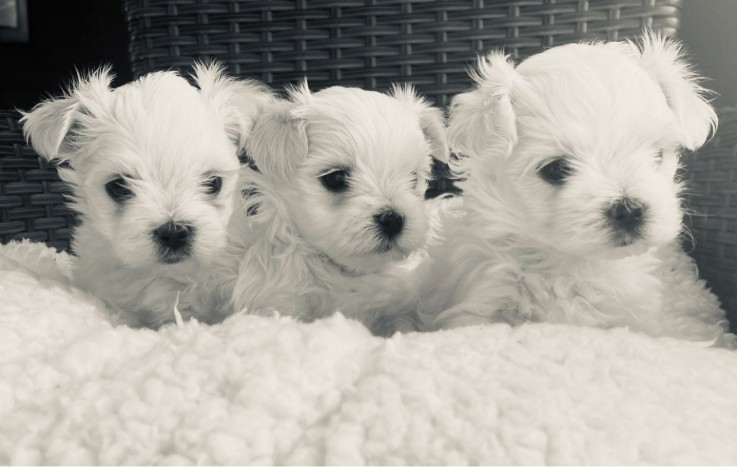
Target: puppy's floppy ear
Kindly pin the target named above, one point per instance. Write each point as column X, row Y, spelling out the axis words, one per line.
column 53, row 125
column 482, row 120
column 432, row 120
column 665, row 61
column 279, row 139
column 237, row 101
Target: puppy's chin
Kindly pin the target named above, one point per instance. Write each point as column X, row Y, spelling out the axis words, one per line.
column 173, row 257
column 620, row 249
column 369, row 263
column 166, row 264
column 611, row 249
column 153, row 260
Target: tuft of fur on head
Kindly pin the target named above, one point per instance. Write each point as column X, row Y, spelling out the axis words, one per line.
column 483, row 120
column 432, row 120
column 317, row 242
column 238, row 101
column 570, row 160
column 170, row 150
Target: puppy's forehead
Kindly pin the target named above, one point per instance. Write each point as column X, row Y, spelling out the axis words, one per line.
column 592, row 95
column 165, row 101
column 358, row 107
column 162, row 117
column 162, row 93
column 365, row 128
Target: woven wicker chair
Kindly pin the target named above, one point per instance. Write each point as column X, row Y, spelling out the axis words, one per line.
column 371, row 44
column 712, row 202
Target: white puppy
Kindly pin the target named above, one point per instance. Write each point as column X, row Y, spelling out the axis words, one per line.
column 571, row 193
column 153, row 167
column 336, row 202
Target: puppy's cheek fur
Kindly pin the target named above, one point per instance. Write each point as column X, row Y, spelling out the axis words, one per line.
column 119, row 227
column 665, row 215
column 340, row 229
column 577, row 223
column 135, row 248
column 561, row 217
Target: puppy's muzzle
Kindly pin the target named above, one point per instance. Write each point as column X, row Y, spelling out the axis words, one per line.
column 390, row 223
column 174, row 240
column 627, row 216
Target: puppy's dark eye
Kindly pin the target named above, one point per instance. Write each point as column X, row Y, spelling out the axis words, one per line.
column 213, row 185
column 245, row 159
column 659, row 157
column 556, row 171
column 337, row 181
column 118, row 190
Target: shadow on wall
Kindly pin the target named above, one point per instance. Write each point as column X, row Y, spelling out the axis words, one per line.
column 708, row 29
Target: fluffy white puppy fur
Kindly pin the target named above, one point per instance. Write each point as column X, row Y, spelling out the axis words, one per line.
column 571, row 196
column 153, row 166
column 335, row 202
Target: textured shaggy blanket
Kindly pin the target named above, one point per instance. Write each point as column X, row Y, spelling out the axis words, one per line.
column 74, row 388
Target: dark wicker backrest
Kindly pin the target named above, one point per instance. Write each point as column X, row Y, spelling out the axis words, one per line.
column 712, row 200
column 372, row 43
column 366, row 43
column 31, row 194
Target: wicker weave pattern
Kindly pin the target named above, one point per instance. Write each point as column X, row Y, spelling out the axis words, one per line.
column 712, row 182
column 372, row 43
column 31, row 194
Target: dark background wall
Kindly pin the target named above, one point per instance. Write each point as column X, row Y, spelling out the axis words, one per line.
column 709, row 30
column 64, row 34
column 87, row 33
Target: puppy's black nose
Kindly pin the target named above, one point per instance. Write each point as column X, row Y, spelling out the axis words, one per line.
column 626, row 214
column 173, row 236
column 390, row 223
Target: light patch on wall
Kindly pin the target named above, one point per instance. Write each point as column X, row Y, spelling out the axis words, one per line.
column 13, row 21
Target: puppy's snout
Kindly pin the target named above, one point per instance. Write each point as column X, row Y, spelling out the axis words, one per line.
column 627, row 214
column 173, row 236
column 390, row 222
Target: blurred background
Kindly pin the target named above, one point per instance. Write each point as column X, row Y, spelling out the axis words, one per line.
column 66, row 34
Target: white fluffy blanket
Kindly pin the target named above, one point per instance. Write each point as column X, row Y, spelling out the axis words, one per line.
column 76, row 389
